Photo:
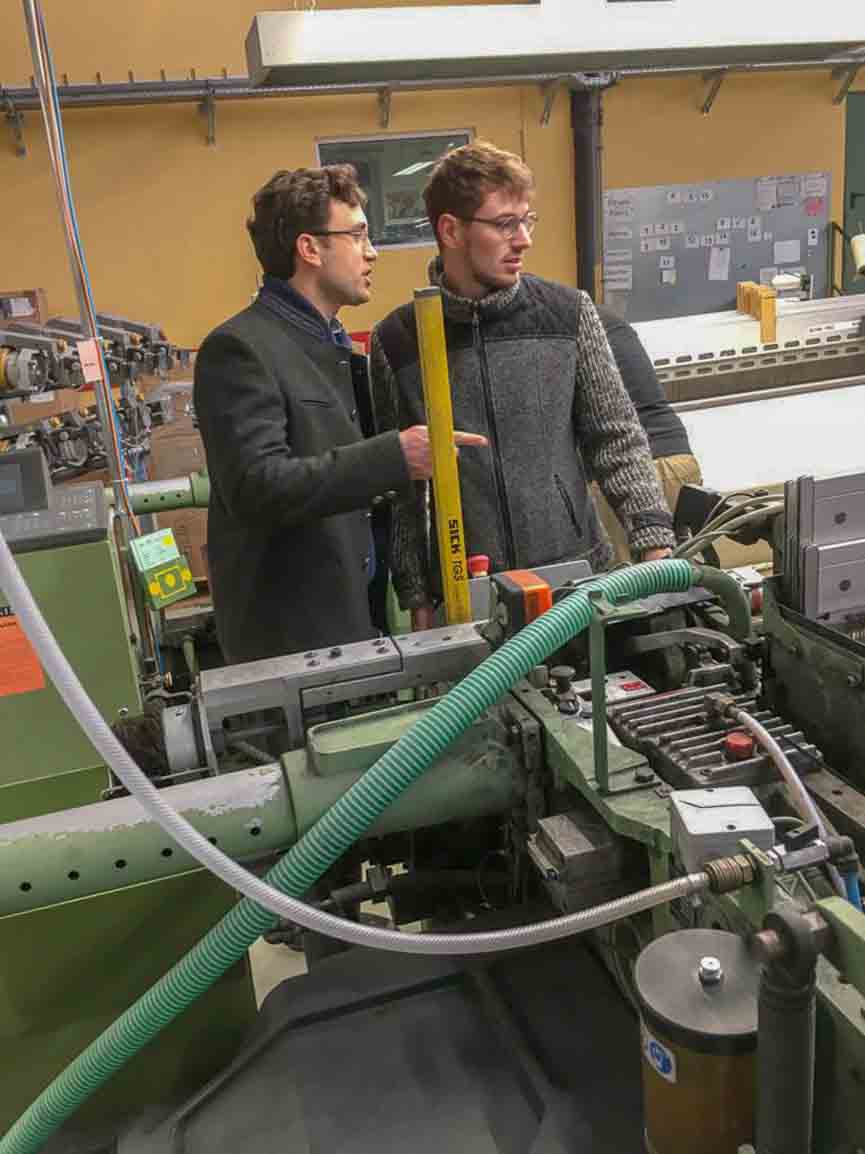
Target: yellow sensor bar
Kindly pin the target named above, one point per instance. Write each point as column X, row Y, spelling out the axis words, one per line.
column 429, row 318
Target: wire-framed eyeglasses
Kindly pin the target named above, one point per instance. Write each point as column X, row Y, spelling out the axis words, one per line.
column 507, row 226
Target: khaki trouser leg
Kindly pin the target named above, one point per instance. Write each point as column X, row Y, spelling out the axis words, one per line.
column 673, row 473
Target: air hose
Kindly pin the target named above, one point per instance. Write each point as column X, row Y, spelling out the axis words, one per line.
column 332, row 835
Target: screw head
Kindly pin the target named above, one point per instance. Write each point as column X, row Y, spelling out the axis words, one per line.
column 710, row 972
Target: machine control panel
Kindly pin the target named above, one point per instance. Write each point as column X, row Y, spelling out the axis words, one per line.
column 75, row 515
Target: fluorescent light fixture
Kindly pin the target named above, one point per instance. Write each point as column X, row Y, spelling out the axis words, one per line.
column 412, row 169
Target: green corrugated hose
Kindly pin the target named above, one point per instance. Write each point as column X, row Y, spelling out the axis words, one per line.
column 332, row 835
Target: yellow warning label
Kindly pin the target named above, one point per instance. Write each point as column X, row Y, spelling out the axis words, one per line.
column 20, row 671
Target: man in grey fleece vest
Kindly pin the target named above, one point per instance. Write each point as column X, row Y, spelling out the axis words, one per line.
column 531, row 368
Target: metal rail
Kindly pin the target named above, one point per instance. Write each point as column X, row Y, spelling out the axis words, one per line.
column 193, row 90
column 767, row 394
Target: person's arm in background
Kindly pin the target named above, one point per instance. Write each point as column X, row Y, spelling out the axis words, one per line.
column 675, row 464
column 615, row 445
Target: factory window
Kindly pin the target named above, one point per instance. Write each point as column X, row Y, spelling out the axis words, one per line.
column 393, row 171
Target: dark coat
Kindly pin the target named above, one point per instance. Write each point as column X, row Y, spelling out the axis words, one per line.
column 664, row 428
column 292, row 481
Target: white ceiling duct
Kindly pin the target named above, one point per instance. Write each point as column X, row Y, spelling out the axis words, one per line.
column 549, row 36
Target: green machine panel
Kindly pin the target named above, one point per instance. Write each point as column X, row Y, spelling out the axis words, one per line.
column 115, row 945
column 48, row 763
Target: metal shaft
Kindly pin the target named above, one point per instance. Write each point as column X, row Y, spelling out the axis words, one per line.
column 192, row 492
column 250, row 813
column 44, row 74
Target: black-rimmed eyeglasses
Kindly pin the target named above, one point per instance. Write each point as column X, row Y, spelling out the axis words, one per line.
column 507, row 226
column 359, row 232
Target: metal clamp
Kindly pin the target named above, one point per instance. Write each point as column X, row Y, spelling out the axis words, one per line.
column 790, row 860
column 714, row 80
column 384, row 100
column 548, row 91
column 15, row 120
column 208, row 109
column 847, row 76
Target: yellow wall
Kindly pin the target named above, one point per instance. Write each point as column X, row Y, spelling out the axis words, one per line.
column 760, row 124
column 112, row 36
column 162, row 215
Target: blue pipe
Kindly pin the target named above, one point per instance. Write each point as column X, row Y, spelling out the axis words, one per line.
column 851, row 884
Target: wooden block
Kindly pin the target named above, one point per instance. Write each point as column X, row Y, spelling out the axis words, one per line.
column 768, row 315
column 744, row 290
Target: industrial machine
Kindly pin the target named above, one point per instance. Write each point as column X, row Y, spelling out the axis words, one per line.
column 609, row 826
column 36, row 357
column 36, row 360
column 633, row 764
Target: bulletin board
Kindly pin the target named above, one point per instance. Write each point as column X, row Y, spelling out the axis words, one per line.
column 678, row 249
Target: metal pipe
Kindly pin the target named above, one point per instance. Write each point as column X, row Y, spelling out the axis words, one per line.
column 239, row 88
column 785, row 1062
column 24, row 99
column 249, row 813
column 188, row 648
column 41, row 67
column 735, row 602
column 741, row 67
column 192, row 492
column 801, row 797
column 252, row 752
column 586, row 129
column 44, row 72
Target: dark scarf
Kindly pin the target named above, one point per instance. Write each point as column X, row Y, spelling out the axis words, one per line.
column 279, row 296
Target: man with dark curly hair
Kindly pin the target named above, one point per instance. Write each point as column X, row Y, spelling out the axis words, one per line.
column 279, row 396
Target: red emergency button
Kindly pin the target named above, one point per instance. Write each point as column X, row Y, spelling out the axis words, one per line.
column 479, row 565
column 738, row 746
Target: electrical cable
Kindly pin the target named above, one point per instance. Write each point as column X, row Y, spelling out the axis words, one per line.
column 706, row 536
column 728, row 519
column 750, row 494
column 799, row 795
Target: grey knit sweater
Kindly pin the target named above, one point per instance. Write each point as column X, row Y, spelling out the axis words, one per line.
column 530, row 368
